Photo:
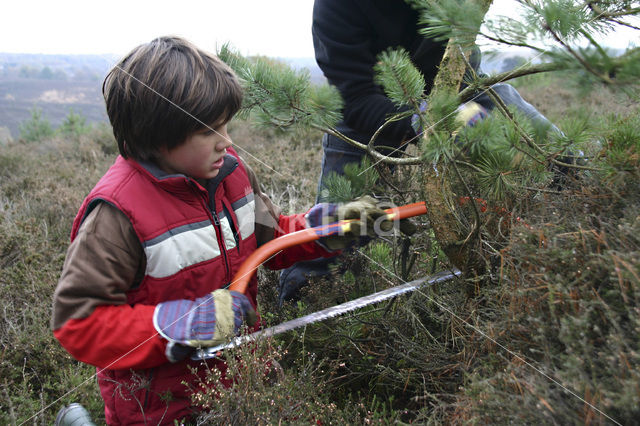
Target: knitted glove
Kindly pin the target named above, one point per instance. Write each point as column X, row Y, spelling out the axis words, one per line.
column 372, row 220
column 206, row 321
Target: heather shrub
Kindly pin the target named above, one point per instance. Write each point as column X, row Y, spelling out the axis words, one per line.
column 547, row 335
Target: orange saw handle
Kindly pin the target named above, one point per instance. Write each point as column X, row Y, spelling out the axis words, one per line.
column 264, row 252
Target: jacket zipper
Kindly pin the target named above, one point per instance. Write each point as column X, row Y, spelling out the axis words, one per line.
column 223, row 247
column 213, row 217
column 234, row 231
column 211, row 211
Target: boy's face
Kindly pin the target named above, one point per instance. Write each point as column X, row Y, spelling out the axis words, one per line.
column 200, row 156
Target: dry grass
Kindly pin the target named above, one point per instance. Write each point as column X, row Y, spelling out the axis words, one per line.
column 288, row 165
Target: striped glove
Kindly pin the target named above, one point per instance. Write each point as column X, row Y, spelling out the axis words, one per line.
column 206, row 321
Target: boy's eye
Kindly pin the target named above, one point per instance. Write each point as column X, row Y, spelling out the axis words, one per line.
column 208, row 132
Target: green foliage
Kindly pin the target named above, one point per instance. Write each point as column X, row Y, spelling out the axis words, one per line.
column 278, row 96
column 493, row 175
column 46, row 73
column 605, row 66
column 629, row 69
column 401, row 80
column 458, row 20
column 102, row 135
column 564, row 18
column 73, row 125
column 325, row 105
column 441, row 124
column 576, row 131
column 437, row 148
column 622, row 154
column 35, row 72
column 356, row 181
column 442, row 112
column 504, row 162
column 37, row 128
column 380, row 255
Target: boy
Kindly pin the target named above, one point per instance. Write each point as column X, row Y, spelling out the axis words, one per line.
column 159, row 238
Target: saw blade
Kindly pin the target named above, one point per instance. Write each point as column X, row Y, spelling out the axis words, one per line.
column 324, row 314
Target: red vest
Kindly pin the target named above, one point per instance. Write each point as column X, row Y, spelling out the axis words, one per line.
column 193, row 244
column 194, row 240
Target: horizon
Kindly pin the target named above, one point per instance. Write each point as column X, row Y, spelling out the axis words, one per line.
column 484, row 48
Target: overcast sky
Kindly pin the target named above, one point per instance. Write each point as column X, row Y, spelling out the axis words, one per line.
column 268, row 27
column 279, row 28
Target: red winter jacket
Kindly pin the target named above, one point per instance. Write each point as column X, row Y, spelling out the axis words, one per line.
column 194, row 240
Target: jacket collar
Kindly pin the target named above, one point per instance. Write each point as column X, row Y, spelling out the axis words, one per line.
column 178, row 182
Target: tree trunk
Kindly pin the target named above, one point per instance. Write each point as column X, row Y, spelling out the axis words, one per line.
column 438, row 194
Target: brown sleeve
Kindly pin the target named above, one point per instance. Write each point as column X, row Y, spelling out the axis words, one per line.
column 267, row 213
column 103, row 262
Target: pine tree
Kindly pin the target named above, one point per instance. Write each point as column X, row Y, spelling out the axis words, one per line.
column 499, row 160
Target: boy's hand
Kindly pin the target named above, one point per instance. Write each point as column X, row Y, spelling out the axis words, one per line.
column 206, row 321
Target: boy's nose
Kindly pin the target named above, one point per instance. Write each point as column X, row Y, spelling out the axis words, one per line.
column 224, row 143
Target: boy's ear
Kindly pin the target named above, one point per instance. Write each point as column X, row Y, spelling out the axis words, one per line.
column 159, row 153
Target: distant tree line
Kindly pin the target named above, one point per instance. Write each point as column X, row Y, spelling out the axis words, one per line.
column 11, row 71
column 39, row 128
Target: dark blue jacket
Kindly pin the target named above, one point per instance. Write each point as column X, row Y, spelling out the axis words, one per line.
column 348, row 35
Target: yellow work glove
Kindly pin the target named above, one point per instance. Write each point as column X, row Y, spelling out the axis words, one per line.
column 370, row 220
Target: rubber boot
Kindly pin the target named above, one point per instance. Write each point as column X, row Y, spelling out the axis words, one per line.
column 73, row 415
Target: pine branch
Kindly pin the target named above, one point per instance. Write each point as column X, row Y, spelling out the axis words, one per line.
column 400, row 79
column 614, row 16
column 410, row 161
column 607, row 14
column 503, row 41
column 530, row 142
column 595, row 44
column 579, row 58
column 379, row 130
column 505, row 111
column 468, row 92
column 625, row 24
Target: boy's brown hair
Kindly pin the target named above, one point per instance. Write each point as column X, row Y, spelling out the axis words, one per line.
column 163, row 91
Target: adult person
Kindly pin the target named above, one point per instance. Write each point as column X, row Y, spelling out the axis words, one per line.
column 348, row 36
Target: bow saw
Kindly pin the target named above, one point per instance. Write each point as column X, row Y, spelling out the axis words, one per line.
column 266, row 251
